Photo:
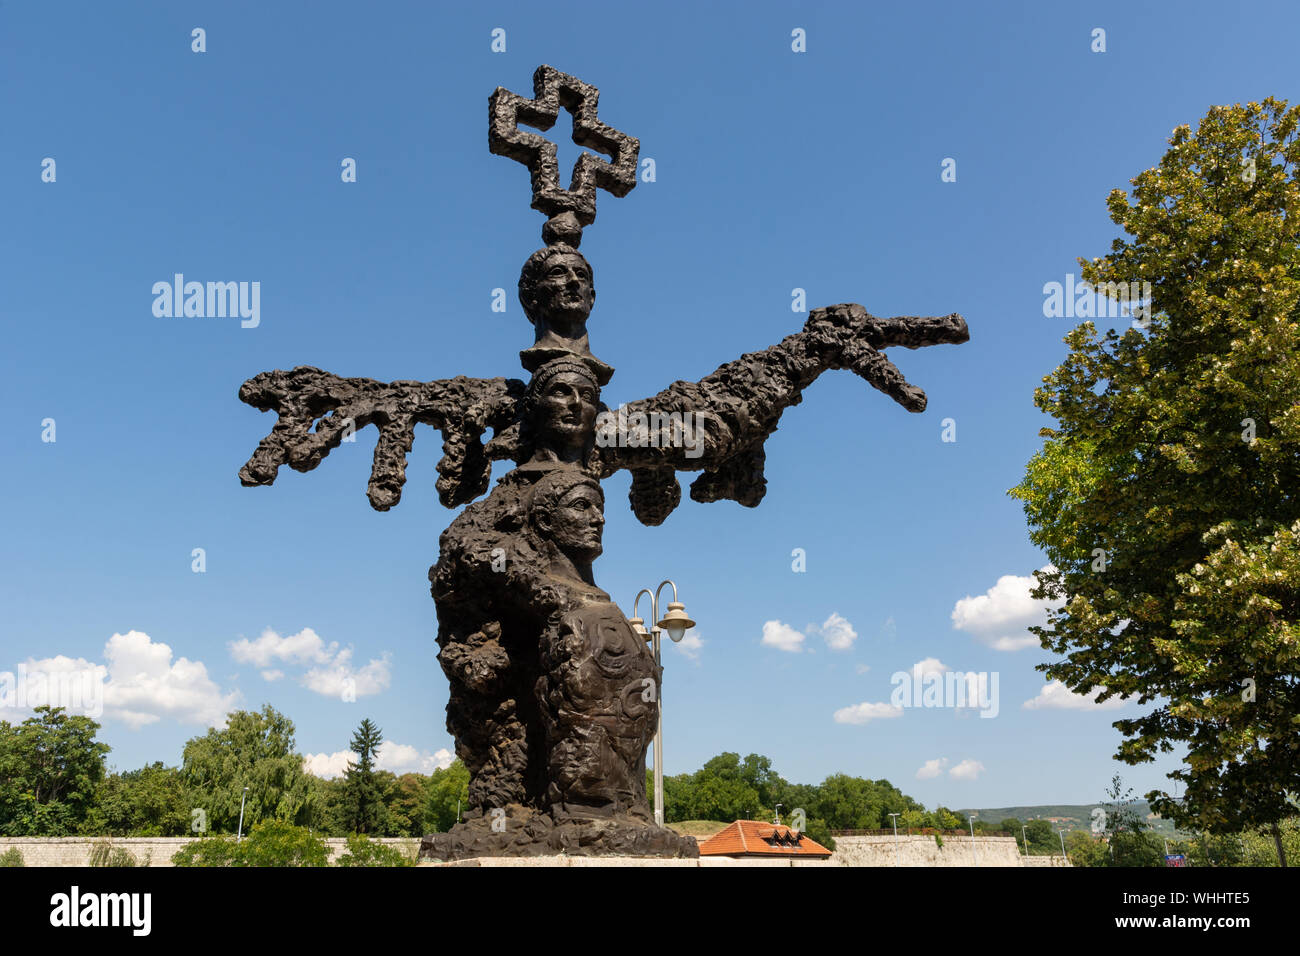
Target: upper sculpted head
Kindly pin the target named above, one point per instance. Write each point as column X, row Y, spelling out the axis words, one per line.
column 557, row 292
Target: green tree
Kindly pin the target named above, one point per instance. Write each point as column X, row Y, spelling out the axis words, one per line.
column 445, row 791
column 151, row 801
column 848, row 803
column 363, row 794
column 50, row 767
column 253, row 750
column 1127, row 833
column 723, row 798
column 406, row 803
column 1165, row 495
column 1083, row 849
column 1043, row 840
column 946, row 819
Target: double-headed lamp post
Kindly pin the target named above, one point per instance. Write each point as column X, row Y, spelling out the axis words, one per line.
column 239, row 834
column 676, row 623
column 893, row 818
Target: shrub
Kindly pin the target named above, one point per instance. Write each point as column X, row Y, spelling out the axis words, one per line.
column 270, row 843
column 274, row 843
column 103, row 853
column 12, row 857
column 209, row 851
column 363, row 851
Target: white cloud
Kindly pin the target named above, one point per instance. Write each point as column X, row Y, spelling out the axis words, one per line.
column 139, row 684
column 999, row 617
column 75, row 684
column 863, row 668
column 967, row 770
column 393, row 757
column 864, row 712
column 930, row 665
column 340, row 679
column 305, row 647
column 838, row 633
column 1056, row 696
column 330, row 670
column 690, row 645
column 328, row 766
column 782, row 636
column 145, row 685
column 932, row 768
column 403, row 758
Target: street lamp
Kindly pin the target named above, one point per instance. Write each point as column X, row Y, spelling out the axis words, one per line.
column 239, row 834
column 1024, row 831
column 972, row 840
column 1064, row 858
column 893, row 818
column 777, row 821
column 676, row 623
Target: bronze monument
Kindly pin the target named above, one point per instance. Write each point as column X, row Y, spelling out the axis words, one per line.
column 554, row 697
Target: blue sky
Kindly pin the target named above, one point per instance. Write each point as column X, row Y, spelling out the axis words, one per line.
column 774, row 170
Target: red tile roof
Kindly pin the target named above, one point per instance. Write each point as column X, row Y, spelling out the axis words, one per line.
column 756, row 838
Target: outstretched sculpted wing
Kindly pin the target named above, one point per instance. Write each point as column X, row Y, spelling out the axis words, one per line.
column 461, row 408
column 742, row 402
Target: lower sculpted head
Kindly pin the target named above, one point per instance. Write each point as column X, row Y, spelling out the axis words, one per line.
column 568, row 510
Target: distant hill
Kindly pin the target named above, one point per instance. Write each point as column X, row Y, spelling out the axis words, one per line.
column 1066, row 816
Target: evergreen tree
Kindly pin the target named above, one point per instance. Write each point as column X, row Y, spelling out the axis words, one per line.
column 363, row 796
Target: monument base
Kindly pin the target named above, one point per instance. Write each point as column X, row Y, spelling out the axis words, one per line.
column 538, row 835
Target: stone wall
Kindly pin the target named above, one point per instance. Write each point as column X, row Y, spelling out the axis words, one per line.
column 152, row 851
column 919, row 850
column 850, row 851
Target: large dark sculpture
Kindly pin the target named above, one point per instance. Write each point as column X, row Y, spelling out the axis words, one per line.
column 554, row 698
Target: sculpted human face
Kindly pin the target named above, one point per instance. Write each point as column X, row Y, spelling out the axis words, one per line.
column 564, row 294
column 566, row 411
column 578, row 522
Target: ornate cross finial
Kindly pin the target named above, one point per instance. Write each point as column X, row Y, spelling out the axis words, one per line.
column 568, row 210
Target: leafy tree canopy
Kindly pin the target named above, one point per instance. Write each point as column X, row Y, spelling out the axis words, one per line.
column 1166, row 493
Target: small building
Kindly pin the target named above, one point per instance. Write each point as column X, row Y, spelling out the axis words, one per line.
column 755, row 838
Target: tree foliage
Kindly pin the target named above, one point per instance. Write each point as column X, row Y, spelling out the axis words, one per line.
column 1166, row 494
column 364, row 795
column 151, row 801
column 446, row 791
column 363, row 851
column 254, row 750
column 50, row 767
column 268, row 843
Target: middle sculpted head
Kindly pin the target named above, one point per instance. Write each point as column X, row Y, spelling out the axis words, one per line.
column 562, row 402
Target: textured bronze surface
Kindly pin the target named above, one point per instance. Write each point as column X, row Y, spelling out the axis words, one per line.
column 553, row 698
